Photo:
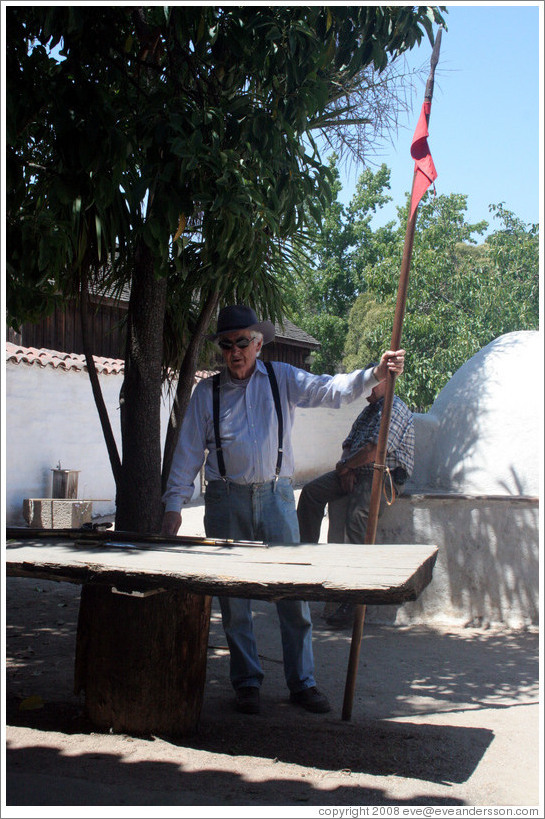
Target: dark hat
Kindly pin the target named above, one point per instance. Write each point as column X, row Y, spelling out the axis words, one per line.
column 239, row 317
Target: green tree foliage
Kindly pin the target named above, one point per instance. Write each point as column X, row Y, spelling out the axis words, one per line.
column 345, row 244
column 176, row 144
column 360, row 346
column 64, row 166
column 514, row 258
column 460, row 296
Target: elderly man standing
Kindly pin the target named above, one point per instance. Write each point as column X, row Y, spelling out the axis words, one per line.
column 243, row 418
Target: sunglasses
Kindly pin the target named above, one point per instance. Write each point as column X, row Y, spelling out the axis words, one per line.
column 241, row 343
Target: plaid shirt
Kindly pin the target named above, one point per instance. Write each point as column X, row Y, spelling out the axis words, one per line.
column 365, row 429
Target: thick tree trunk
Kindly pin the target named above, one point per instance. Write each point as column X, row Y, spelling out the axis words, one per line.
column 139, row 507
column 141, row 661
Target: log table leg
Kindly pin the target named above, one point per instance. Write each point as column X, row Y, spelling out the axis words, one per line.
column 141, row 661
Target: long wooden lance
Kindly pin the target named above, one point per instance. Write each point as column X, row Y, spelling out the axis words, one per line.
column 423, row 175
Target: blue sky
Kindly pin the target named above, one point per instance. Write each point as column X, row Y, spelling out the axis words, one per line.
column 485, row 121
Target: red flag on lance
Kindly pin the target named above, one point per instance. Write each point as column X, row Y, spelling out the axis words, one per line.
column 424, row 169
column 423, row 176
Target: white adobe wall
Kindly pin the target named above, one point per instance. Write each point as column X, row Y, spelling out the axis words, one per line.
column 51, row 417
column 487, row 568
column 484, row 432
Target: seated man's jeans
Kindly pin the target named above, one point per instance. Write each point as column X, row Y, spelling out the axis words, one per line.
column 326, row 489
column 263, row 512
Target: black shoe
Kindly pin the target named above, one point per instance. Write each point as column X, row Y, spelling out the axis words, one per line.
column 247, row 699
column 311, row 699
column 342, row 617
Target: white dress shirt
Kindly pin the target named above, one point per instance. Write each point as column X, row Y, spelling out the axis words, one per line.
column 248, row 424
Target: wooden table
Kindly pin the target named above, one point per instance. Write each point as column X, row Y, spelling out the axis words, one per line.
column 371, row 574
column 135, row 594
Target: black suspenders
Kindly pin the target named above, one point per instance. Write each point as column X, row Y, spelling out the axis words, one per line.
column 216, row 417
column 278, row 408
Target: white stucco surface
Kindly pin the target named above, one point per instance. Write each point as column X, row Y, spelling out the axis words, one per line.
column 484, row 432
column 51, row 417
column 487, row 565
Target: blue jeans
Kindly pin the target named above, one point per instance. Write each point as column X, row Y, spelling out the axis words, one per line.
column 260, row 512
column 327, row 489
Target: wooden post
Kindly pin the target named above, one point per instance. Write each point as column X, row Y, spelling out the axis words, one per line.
column 141, row 660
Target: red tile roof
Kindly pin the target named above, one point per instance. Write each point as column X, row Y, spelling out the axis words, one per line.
column 69, row 361
column 58, row 360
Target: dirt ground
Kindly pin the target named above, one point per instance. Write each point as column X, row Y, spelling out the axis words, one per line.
column 441, row 717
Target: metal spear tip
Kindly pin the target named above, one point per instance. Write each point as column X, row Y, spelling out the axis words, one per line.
column 436, row 48
column 428, row 95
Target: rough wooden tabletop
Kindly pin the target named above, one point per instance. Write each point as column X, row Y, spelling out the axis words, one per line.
column 371, row 574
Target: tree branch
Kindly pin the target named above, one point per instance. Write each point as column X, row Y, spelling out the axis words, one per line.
column 95, row 384
column 185, row 383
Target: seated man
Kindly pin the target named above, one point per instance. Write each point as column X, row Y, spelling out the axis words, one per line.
column 353, row 478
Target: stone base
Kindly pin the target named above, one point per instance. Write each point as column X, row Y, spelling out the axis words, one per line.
column 487, row 570
column 54, row 513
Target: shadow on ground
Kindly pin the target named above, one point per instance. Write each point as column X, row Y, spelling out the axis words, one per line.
column 405, row 676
